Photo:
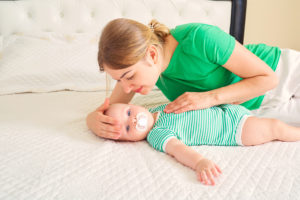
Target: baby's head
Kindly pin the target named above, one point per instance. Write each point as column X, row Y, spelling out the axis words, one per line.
column 136, row 121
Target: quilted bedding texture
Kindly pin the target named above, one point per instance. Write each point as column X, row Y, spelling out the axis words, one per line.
column 47, row 152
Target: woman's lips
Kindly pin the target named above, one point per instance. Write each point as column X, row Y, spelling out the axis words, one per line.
column 139, row 90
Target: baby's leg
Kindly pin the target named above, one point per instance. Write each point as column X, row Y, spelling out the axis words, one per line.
column 261, row 130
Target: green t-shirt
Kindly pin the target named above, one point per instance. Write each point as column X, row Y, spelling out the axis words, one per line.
column 196, row 64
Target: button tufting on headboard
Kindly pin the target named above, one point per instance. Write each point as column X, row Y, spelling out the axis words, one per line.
column 89, row 16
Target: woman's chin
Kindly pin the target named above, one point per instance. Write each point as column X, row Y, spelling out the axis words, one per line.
column 148, row 89
column 145, row 91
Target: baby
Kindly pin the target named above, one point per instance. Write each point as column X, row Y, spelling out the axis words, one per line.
column 227, row 124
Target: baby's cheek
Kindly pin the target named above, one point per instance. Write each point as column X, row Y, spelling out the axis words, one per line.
column 136, row 133
column 133, row 130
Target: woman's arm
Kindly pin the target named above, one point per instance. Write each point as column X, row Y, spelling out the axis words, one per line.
column 206, row 170
column 257, row 76
column 119, row 96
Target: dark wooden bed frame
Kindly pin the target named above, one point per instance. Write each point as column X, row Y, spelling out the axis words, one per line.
column 238, row 18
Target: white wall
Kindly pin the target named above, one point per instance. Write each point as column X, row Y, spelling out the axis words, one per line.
column 273, row 22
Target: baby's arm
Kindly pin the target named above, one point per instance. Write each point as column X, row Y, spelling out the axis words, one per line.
column 205, row 169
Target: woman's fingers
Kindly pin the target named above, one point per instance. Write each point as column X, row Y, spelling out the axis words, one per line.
column 175, row 105
column 109, row 124
column 106, row 126
column 177, row 109
column 107, row 119
column 111, row 128
column 104, row 106
column 109, row 131
column 183, row 109
column 103, row 125
column 110, row 135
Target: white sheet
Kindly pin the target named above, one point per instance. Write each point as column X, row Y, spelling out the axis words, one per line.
column 47, row 152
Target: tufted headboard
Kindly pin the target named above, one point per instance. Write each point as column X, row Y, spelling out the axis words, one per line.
column 81, row 16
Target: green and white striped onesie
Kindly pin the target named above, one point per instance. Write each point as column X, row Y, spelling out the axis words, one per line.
column 212, row 126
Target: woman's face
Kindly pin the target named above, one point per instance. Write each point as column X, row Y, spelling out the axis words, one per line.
column 140, row 77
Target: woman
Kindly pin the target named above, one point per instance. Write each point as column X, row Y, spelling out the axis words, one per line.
column 195, row 65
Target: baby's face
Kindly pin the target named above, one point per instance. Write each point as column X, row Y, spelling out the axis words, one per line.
column 136, row 121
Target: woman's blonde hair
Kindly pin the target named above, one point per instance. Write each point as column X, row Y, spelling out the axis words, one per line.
column 124, row 42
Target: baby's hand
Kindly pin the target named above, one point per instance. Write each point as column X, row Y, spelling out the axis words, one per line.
column 206, row 171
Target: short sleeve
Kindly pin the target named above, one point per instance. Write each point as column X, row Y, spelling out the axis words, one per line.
column 159, row 137
column 213, row 43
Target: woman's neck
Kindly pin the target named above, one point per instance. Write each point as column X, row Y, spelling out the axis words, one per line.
column 168, row 50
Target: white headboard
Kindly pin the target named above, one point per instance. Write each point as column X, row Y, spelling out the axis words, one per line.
column 81, row 16
column 50, row 45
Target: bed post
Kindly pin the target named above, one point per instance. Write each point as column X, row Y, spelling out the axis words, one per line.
column 238, row 18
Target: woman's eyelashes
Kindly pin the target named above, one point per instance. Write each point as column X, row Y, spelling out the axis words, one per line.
column 130, row 78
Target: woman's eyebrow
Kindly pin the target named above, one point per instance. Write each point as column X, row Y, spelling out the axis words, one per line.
column 124, row 74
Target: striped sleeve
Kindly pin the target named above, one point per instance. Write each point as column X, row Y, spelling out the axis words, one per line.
column 158, row 138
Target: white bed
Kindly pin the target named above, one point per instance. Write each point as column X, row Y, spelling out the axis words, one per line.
column 49, row 81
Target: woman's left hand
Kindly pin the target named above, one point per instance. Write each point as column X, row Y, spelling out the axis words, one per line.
column 191, row 101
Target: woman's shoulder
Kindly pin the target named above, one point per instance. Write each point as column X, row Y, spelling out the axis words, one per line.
column 184, row 30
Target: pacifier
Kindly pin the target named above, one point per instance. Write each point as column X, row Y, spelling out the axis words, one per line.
column 142, row 121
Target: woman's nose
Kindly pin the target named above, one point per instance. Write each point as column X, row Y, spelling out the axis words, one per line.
column 126, row 87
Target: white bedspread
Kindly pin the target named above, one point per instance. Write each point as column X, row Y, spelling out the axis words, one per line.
column 47, row 152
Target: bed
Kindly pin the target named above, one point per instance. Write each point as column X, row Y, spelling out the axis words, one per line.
column 50, row 81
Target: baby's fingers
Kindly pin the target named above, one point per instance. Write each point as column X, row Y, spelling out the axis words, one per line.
column 199, row 177
column 203, row 177
column 215, row 172
column 218, row 168
column 210, row 177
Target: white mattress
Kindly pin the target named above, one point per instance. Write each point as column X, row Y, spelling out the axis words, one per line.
column 47, row 152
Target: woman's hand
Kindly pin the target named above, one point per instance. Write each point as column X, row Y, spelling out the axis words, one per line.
column 102, row 125
column 191, row 101
column 206, row 171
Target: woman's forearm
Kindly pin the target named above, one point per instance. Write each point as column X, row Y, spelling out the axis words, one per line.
column 244, row 90
column 258, row 77
column 119, row 96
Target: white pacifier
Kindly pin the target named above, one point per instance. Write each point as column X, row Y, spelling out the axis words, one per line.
column 142, row 122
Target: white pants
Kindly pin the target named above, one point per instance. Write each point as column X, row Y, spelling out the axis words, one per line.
column 283, row 102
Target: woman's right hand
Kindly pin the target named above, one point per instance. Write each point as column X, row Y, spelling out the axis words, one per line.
column 103, row 125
